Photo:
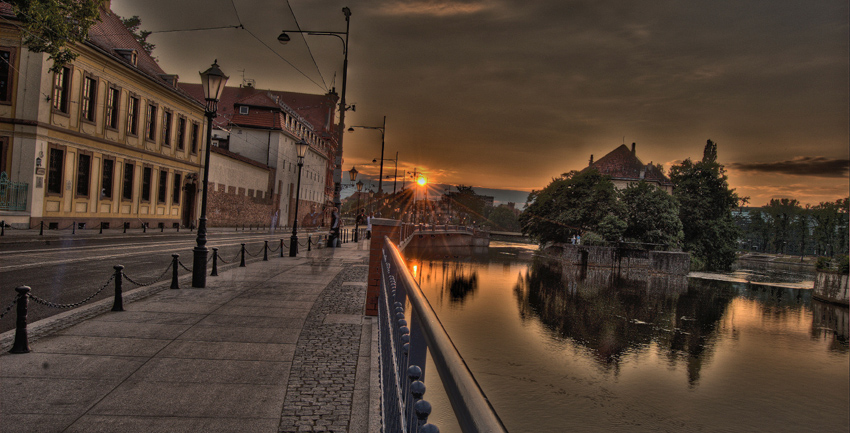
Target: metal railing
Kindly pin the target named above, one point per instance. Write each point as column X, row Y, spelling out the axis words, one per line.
column 13, row 195
column 403, row 354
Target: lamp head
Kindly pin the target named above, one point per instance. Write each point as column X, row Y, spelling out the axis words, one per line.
column 351, row 129
column 301, row 147
column 283, row 38
column 374, row 160
column 359, row 185
column 213, row 82
column 352, row 174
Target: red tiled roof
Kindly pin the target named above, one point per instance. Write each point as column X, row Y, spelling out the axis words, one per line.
column 622, row 163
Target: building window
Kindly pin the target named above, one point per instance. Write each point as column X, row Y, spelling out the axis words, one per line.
column 195, row 129
column 163, row 186
column 89, row 98
column 243, row 110
column 181, row 133
column 7, row 58
column 133, row 116
column 175, row 197
column 147, row 173
column 61, row 89
column 113, row 101
column 4, row 149
column 127, row 186
column 150, row 123
column 106, row 178
column 83, row 174
column 166, row 128
column 55, row 168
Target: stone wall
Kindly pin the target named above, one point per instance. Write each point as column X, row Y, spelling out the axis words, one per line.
column 832, row 287
column 231, row 206
column 667, row 262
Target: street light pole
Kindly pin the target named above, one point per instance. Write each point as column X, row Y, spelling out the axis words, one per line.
column 357, row 212
column 301, row 149
column 213, row 82
column 383, row 129
column 283, row 39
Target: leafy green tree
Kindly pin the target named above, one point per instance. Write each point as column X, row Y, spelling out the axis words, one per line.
column 52, row 26
column 830, row 227
column 611, row 228
column 132, row 25
column 468, row 205
column 705, row 209
column 570, row 205
column 652, row 215
column 504, row 218
column 783, row 216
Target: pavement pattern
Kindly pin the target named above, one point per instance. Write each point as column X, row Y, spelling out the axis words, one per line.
column 277, row 346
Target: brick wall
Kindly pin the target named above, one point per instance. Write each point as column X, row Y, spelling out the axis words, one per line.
column 380, row 227
column 230, row 206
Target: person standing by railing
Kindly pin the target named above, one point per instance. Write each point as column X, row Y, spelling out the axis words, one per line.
column 333, row 238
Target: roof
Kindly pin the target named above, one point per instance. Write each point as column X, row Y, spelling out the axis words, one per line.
column 317, row 111
column 623, row 164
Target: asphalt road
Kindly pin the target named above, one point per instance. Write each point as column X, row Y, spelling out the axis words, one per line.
column 67, row 270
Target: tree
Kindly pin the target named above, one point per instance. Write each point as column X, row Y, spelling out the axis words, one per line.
column 652, row 215
column 468, row 205
column 830, row 227
column 504, row 218
column 784, row 215
column 132, row 25
column 706, row 203
column 571, row 204
column 52, row 26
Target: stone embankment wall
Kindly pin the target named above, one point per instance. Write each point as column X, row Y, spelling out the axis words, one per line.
column 230, row 206
column 832, row 287
column 676, row 263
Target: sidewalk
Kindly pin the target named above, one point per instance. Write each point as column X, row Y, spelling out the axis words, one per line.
column 278, row 346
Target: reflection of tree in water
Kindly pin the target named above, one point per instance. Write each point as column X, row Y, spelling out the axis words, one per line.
column 830, row 322
column 613, row 314
column 460, row 286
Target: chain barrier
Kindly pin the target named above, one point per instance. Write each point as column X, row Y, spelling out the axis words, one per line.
column 54, row 305
column 152, row 282
column 9, row 308
column 184, row 266
column 275, row 250
column 253, row 255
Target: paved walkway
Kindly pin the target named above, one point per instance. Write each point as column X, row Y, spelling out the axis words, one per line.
column 277, row 346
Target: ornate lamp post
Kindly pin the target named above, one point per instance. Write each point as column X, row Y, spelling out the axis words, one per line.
column 383, row 129
column 357, row 212
column 283, row 39
column 213, row 82
column 301, row 148
column 352, row 175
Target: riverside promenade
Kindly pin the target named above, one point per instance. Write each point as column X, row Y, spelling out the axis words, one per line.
column 277, row 346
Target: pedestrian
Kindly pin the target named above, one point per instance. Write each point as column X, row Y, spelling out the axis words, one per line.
column 333, row 238
column 369, row 225
column 578, row 240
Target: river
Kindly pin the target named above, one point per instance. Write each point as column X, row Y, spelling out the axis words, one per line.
column 556, row 349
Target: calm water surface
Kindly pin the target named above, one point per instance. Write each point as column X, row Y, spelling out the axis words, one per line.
column 556, row 349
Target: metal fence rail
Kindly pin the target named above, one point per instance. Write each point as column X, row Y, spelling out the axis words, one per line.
column 13, row 195
column 403, row 349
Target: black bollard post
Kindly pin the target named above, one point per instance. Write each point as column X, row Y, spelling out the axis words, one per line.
column 21, row 344
column 3, row 228
column 281, row 247
column 162, row 228
column 266, row 251
column 125, row 227
column 118, row 303
column 178, row 228
column 242, row 263
column 74, row 228
column 309, row 242
column 144, row 228
column 215, row 263
column 101, row 228
column 174, row 265
column 41, row 229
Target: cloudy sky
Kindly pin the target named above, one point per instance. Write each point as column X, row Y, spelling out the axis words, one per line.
column 507, row 94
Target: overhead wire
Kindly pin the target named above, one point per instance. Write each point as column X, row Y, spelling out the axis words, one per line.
column 298, row 26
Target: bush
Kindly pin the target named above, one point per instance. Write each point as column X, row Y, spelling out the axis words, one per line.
column 697, row 264
column 823, row 263
column 843, row 264
column 593, row 239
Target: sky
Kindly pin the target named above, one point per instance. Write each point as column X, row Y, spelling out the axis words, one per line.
column 509, row 94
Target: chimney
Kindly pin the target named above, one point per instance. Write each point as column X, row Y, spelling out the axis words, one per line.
column 633, row 148
column 591, row 160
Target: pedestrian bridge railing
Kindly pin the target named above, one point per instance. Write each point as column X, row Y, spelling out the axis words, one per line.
column 409, row 329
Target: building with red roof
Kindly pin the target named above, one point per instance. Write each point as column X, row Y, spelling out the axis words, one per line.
column 108, row 139
column 626, row 168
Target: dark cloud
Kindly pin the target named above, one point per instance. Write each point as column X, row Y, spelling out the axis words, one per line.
column 799, row 166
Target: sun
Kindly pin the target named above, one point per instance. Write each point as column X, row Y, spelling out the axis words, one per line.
column 421, row 181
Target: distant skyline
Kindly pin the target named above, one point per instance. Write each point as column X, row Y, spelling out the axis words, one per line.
column 506, row 94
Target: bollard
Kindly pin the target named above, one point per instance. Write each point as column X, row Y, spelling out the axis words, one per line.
column 118, row 303
column 162, row 228
column 144, row 228
column 101, row 228
column 41, row 229
column 21, row 344
column 215, row 263
column 174, row 265
column 281, row 247
column 242, row 263
column 266, row 251
column 125, row 227
column 74, row 228
column 178, row 228
column 309, row 242
column 3, row 228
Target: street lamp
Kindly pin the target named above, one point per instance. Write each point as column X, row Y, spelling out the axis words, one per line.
column 213, row 82
column 383, row 129
column 395, row 167
column 283, row 39
column 301, row 148
column 357, row 212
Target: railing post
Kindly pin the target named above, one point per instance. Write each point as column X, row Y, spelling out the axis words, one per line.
column 41, row 229
column 174, row 265
column 21, row 344
column 214, row 272
column 309, row 242
column 118, row 303
column 74, row 228
column 125, row 227
column 162, row 228
column 144, row 228
column 3, row 228
column 281, row 247
column 265, row 251
column 242, row 252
